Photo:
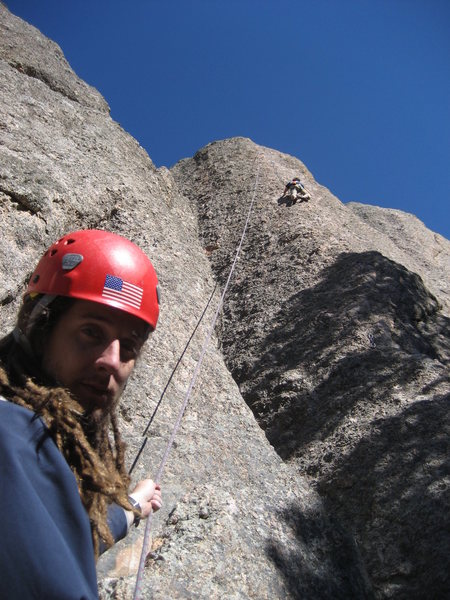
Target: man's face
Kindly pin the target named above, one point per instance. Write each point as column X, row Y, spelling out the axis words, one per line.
column 92, row 351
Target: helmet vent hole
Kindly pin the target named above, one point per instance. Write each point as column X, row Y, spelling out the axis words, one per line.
column 35, row 278
column 69, row 241
column 53, row 252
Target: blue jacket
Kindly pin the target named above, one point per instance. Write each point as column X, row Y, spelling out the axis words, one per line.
column 46, row 549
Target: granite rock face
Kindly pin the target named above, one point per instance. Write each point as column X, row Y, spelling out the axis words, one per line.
column 314, row 442
column 340, row 350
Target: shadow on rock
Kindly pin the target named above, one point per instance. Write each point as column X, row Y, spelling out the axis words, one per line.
column 288, row 201
column 322, row 563
column 362, row 336
column 393, row 488
column 351, row 385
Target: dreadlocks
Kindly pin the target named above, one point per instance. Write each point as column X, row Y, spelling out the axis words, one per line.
column 93, row 449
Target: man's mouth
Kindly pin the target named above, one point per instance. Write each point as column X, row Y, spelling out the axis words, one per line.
column 97, row 390
column 96, row 386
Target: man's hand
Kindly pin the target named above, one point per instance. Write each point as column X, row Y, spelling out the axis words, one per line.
column 148, row 494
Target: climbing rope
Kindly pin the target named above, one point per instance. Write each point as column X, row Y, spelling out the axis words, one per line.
column 145, row 544
column 144, row 434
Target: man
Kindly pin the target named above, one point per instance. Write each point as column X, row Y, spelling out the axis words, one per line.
column 89, row 307
column 294, row 190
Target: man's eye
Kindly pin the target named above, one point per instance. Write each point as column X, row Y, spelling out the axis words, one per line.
column 92, row 333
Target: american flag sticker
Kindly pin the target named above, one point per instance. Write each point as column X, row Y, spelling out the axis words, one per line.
column 118, row 289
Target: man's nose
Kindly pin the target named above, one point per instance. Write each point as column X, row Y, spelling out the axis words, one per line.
column 109, row 359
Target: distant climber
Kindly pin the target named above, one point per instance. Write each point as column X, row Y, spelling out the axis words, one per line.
column 294, row 190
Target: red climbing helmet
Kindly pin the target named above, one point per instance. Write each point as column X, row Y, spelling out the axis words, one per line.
column 102, row 267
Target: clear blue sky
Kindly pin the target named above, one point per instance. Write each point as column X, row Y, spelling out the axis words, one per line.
column 359, row 90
